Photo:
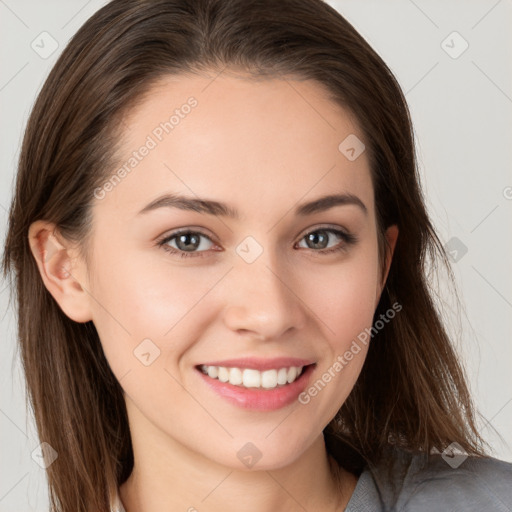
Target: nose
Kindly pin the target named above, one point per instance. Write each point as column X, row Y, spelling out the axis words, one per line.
column 262, row 300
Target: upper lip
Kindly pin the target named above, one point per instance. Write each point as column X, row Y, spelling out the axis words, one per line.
column 261, row 364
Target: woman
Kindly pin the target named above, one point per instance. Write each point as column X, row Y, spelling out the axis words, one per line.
column 219, row 244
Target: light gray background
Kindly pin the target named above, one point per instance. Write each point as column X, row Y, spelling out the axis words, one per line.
column 461, row 109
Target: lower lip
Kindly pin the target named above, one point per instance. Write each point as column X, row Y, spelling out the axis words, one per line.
column 257, row 398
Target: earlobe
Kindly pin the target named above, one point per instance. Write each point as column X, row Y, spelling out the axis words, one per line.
column 60, row 271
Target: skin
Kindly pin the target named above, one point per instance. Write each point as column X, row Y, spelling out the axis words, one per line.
column 264, row 147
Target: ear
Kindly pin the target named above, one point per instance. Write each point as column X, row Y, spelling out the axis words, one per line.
column 391, row 238
column 61, row 270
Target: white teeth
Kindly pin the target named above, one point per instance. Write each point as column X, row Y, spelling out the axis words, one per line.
column 282, row 376
column 250, row 378
column 213, row 371
column 269, row 379
column 235, row 376
column 292, row 373
column 223, row 374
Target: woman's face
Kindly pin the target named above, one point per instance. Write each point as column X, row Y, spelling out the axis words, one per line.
column 255, row 286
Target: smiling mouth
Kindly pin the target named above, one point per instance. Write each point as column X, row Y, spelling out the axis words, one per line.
column 254, row 379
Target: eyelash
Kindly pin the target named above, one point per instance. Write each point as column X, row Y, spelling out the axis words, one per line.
column 348, row 238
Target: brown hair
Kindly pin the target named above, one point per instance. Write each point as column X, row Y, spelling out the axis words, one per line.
column 411, row 390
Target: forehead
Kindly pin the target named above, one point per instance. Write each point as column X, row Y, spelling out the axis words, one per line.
column 231, row 136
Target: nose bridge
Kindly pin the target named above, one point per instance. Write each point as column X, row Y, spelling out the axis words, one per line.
column 263, row 300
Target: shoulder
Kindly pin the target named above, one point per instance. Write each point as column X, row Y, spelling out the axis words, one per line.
column 417, row 482
column 478, row 483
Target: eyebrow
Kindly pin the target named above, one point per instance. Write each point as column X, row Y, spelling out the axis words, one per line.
column 219, row 209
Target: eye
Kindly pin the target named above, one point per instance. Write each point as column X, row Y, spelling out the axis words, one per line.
column 320, row 238
column 187, row 243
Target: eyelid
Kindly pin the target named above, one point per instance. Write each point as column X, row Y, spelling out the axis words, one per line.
column 334, row 227
column 188, row 229
column 162, row 240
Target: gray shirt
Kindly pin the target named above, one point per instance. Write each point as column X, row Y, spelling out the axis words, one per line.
column 445, row 484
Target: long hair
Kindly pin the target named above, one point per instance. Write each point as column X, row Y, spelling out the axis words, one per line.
column 411, row 390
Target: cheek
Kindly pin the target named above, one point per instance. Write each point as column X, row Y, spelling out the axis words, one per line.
column 344, row 300
column 157, row 302
column 344, row 296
